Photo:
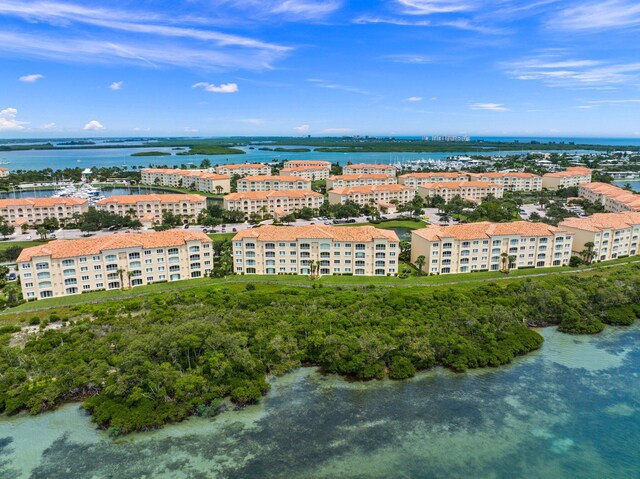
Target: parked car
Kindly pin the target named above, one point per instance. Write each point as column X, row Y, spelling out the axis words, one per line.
column 384, row 218
column 52, row 236
column 28, row 237
column 351, row 220
column 12, row 276
column 205, row 230
column 233, row 230
column 186, row 227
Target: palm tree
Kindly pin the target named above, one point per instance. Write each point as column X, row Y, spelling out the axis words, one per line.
column 43, row 232
column 132, row 212
column 504, row 258
column 219, row 189
column 420, row 260
column 121, row 273
column 512, row 261
column 129, row 275
column 445, row 218
column 588, row 254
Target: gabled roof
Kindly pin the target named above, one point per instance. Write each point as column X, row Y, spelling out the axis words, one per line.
column 263, row 195
column 485, row 229
column 42, row 202
column 164, row 198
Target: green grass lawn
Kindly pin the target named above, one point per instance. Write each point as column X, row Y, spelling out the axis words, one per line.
column 221, row 236
column 463, row 279
column 409, row 224
column 22, row 244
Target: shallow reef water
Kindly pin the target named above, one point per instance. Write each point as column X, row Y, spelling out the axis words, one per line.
column 571, row 409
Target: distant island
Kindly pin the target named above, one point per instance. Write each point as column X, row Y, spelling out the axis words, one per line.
column 287, row 150
column 151, row 153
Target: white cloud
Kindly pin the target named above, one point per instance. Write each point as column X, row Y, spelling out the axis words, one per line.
column 558, row 72
column 64, row 38
column 222, row 88
column 334, row 86
column 489, row 106
column 34, row 77
column 191, row 130
column 93, row 125
column 141, row 129
column 301, row 128
column 414, row 98
column 292, row 10
column 337, row 130
column 429, row 7
column 584, row 107
column 598, row 15
column 116, row 85
column 49, row 126
column 8, row 121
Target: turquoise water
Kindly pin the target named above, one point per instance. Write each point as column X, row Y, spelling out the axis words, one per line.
column 571, row 409
column 39, row 159
column 634, row 184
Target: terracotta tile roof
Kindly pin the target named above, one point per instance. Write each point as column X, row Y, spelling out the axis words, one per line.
column 614, row 193
column 42, row 202
column 600, row 221
column 239, row 166
column 303, row 168
column 454, row 185
column 148, row 218
column 263, row 195
column 431, row 174
column 336, row 233
column 571, row 171
column 274, row 178
column 168, row 198
column 198, row 174
column 503, row 174
column 372, row 166
column 369, row 189
column 87, row 246
column 485, row 229
column 307, row 162
column 20, row 222
column 361, row 176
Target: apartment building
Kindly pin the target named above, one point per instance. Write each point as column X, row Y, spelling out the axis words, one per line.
column 510, row 181
column 572, row 176
column 363, row 169
column 151, row 207
column 310, row 172
column 413, row 180
column 361, row 251
column 276, row 203
column 612, row 197
column 65, row 267
column 376, row 195
column 192, row 179
column 487, row 247
column 297, row 163
column 34, row 211
column 4, row 172
column 244, row 169
column 347, row 181
column 613, row 235
column 474, row 191
column 273, row 183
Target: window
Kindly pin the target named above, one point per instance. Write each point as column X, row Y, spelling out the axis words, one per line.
column 134, row 255
column 25, row 266
column 46, row 294
column 69, row 272
column 172, row 251
column 96, row 258
column 42, row 265
column 44, row 275
column 68, row 262
column 134, row 264
column 111, row 257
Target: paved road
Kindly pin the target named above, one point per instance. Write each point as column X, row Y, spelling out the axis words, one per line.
column 528, row 209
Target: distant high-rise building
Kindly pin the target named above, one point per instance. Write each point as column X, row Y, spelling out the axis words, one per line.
column 447, row 138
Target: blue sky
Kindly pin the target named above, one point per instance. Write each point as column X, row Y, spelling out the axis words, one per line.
column 332, row 67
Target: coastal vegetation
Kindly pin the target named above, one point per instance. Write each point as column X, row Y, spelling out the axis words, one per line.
column 144, row 361
column 151, row 153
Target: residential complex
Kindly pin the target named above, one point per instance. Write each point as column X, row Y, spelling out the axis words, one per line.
column 612, row 197
column 414, row 180
column 276, row 203
column 613, row 235
column 345, row 181
column 244, row 169
column 272, row 183
column 191, row 179
column 361, row 251
column 572, row 176
column 511, row 181
column 311, row 172
column 151, row 207
column 65, row 267
column 363, row 169
column 379, row 195
column 4, row 172
column 474, row 191
column 297, row 163
column 490, row 247
column 32, row 211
